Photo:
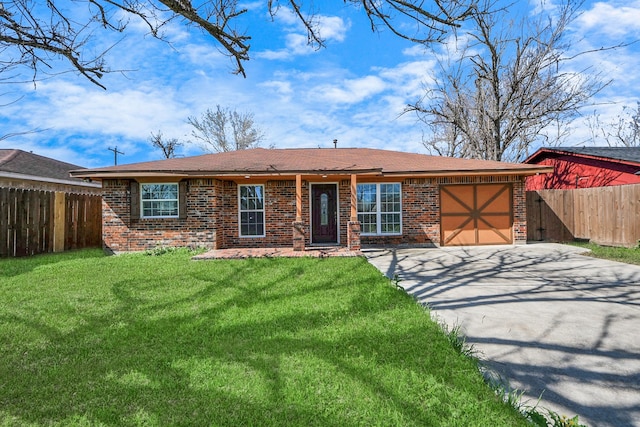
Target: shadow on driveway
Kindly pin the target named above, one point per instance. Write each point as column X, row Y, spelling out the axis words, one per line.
column 548, row 320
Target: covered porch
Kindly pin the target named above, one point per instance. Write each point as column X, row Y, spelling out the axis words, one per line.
column 324, row 212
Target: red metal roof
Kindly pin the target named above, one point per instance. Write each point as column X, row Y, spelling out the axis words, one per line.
column 260, row 161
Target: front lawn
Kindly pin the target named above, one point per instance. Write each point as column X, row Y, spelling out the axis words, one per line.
column 626, row 255
column 162, row 340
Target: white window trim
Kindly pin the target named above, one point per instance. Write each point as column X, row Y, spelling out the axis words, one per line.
column 142, row 200
column 264, row 216
column 378, row 212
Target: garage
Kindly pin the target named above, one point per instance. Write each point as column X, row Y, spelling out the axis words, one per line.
column 476, row 214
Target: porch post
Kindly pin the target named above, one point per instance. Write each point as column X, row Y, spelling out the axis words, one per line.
column 353, row 227
column 298, row 198
column 298, row 225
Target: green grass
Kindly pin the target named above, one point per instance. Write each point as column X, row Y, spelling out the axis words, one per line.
column 627, row 255
column 162, row 340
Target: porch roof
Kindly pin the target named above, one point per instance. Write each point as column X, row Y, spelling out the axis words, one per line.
column 312, row 161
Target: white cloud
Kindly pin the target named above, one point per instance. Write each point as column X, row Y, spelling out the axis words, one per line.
column 328, row 28
column 285, row 15
column 131, row 113
column 332, row 28
column 415, row 50
column 296, row 45
column 204, row 55
column 282, row 88
column 350, row 91
column 544, row 7
column 409, row 78
column 251, row 5
column 610, row 19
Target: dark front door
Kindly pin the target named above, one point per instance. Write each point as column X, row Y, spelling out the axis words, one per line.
column 324, row 218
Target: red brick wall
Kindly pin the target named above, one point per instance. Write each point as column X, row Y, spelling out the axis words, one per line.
column 212, row 215
column 420, row 215
column 280, row 213
column 121, row 232
column 116, row 215
column 519, row 213
column 421, row 210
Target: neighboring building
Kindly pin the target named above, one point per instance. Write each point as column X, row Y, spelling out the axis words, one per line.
column 43, row 209
column 25, row 170
column 300, row 197
column 584, row 167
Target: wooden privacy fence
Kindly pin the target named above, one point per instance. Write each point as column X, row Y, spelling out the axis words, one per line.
column 604, row 215
column 34, row 221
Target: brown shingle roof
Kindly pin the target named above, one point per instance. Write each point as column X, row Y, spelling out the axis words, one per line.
column 24, row 163
column 310, row 160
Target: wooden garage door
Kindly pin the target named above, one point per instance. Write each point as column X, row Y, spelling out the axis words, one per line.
column 478, row 214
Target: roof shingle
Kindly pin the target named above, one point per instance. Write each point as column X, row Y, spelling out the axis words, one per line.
column 310, row 160
column 25, row 163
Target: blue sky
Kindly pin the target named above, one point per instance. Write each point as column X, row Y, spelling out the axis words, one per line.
column 354, row 90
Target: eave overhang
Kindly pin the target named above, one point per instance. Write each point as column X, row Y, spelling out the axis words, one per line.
column 127, row 174
column 26, row 177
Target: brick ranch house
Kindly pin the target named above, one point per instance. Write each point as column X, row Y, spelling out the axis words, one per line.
column 303, row 197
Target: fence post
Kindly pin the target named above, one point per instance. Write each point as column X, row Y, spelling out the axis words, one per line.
column 59, row 217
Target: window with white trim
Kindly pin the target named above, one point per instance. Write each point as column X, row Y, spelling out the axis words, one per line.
column 251, row 210
column 159, row 200
column 380, row 208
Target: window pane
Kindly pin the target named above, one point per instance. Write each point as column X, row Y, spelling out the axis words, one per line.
column 379, row 204
column 168, row 208
column 251, row 210
column 252, row 223
column 324, row 209
column 366, row 196
column 165, row 191
column 159, row 200
column 368, row 223
column 390, row 197
column 259, row 197
column 390, row 223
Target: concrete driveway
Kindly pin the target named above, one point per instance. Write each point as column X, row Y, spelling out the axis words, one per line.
column 547, row 319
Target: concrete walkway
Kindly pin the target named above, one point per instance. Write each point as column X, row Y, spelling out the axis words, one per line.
column 550, row 321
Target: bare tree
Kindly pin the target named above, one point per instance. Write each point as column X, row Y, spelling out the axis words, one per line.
column 39, row 32
column 508, row 87
column 167, row 146
column 623, row 131
column 225, row 130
